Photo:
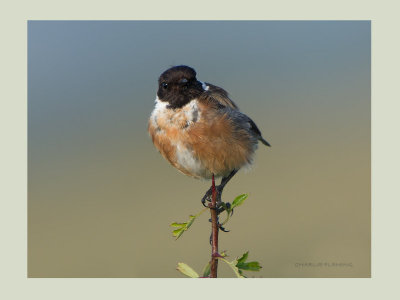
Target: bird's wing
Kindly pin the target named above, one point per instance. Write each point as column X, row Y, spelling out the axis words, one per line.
column 254, row 128
column 218, row 96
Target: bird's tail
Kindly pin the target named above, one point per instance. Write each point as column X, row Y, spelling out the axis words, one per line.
column 264, row 142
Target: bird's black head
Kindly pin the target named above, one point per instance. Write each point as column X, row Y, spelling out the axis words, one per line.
column 178, row 86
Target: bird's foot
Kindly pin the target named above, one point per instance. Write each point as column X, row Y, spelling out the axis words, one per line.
column 220, row 227
column 208, row 195
column 220, row 207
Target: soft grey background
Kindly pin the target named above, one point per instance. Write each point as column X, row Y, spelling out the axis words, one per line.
column 100, row 197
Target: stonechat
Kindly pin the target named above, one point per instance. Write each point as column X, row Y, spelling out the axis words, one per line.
column 199, row 129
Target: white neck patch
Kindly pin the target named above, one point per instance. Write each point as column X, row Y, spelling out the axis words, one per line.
column 190, row 110
column 204, row 85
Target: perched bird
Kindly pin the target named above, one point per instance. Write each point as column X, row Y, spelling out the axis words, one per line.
column 199, row 129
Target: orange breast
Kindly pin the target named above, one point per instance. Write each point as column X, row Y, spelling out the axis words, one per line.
column 202, row 146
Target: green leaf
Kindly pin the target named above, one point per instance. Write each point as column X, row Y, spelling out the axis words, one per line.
column 177, row 224
column 182, row 227
column 186, row 270
column 251, row 266
column 239, row 265
column 207, row 270
column 178, row 232
column 239, row 200
column 247, row 266
column 243, row 258
column 232, row 264
column 191, row 220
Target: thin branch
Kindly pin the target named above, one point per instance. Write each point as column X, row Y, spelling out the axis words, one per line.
column 214, row 226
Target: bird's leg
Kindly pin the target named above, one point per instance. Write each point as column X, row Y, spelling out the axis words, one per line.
column 219, row 208
column 219, row 188
column 225, row 180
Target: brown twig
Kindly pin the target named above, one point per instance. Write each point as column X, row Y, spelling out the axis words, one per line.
column 214, row 226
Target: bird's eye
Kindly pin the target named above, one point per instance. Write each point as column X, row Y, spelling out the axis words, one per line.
column 164, row 85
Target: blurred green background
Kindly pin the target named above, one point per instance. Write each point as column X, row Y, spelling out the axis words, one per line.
column 100, row 196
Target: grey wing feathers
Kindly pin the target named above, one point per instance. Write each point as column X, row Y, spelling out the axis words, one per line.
column 220, row 96
column 257, row 131
column 241, row 120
